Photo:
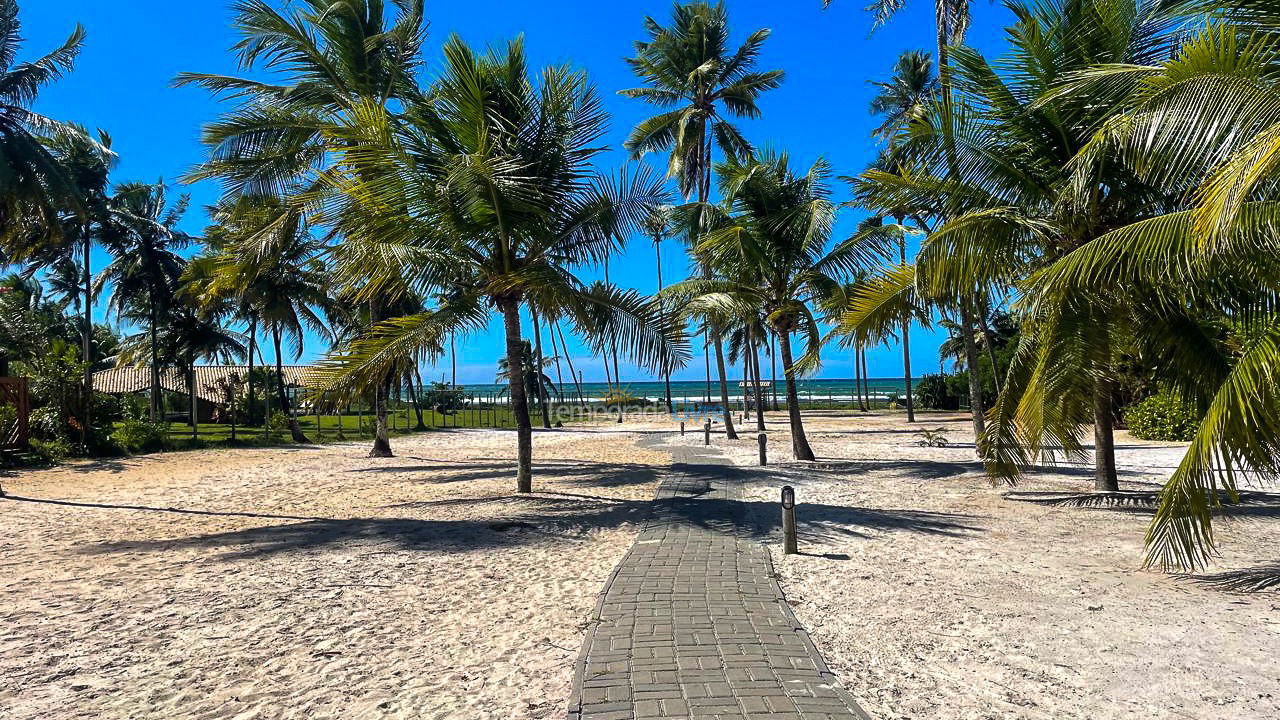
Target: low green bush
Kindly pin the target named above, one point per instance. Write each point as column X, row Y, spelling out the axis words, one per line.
column 1162, row 417
column 8, row 418
column 277, row 424
column 140, row 435
column 50, row 452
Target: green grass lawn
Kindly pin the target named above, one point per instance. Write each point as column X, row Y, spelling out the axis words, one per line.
column 353, row 427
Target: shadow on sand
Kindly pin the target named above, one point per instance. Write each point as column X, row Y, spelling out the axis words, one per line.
column 554, row 516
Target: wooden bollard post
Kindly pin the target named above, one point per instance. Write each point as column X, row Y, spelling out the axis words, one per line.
column 706, row 432
column 681, row 428
column 764, row 443
column 789, row 520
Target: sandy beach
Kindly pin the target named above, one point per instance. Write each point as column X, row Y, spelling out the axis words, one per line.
column 316, row 582
column 312, row 582
column 933, row 597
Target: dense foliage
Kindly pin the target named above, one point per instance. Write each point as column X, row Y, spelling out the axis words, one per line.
column 1162, row 417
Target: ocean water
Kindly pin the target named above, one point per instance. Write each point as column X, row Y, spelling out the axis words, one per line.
column 813, row 390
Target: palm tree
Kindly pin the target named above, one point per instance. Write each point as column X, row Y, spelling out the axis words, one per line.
column 88, row 163
column 1018, row 204
column 485, row 190
column 951, row 23
column 688, row 66
column 905, row 98
column 338, row 58
column 770, row 255
column 34, row 187
column 191, row 336
column 657, row 225
column 536, row 381
column 1199, row 276
column 269, row 267
column 143, row 238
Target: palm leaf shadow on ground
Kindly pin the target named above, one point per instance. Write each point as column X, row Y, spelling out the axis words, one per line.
column 548, row 517
column 1250, row 504
column 1247, row 580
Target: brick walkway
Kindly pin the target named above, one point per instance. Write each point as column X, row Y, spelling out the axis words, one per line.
column 692, row 623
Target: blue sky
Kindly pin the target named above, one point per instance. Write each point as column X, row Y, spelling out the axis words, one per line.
column 122, row 83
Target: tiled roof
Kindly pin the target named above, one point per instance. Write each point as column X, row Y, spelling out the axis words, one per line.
column 136, row 379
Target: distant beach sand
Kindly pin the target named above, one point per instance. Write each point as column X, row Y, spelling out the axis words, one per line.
column 318, row 583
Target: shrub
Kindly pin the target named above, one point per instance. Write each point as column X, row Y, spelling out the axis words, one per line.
column 50, row 452
column 936, row 392
column 277, row 423
column 1162, row 417
column 8, row 418
column 140, row 435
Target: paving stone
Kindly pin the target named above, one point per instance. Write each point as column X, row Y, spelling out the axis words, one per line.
column 692, row 623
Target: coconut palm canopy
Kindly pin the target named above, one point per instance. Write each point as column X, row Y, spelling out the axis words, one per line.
column 1092, row 200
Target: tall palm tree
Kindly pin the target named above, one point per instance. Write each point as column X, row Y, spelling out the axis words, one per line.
column 333, row 60
column 485, row 189
column 270, row 267
column 690, row 71
column 143, row 238
column 1018, row 204
column 770, row 255
column 657, row 225
column 906, row 96
column 1201, row 274
column 34, row 187
column 951, row 22
column 88, row 164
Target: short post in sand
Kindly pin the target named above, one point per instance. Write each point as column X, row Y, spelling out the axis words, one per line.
column 789, row 520
column 681, row 428
column 706, row 432
column 764, row 443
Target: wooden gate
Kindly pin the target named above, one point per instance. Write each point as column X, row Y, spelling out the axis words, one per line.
column 13, row 392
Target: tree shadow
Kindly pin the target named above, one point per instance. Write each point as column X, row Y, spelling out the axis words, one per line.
column 1247, row 580
column 1144, row 502
column 578, row 472
column 560, row 517
column 148, row 508
column 926, row 469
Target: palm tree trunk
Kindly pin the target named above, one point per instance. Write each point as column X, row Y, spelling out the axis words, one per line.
column 413, row 398
column 706, row 355
column 759, row 392
column 191, row 394
column 155, row 367
column 799, row 443
column 989, row 340
column 555, row 353
column 971, row 360
column 519, row 403
column 381, row 430
column 537, row 343
column 906, row 345
column 294, row 430
column 1104, row 442
column 773, row 372
column 253, row 400
column 666, row 371
column 572, row 372
column 866, row 381
column 453, row 361
column 857, row 378
column 381, row 435
column 729, row 432
column 87, row 339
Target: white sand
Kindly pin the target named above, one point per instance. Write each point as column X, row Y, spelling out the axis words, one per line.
column 399, row 600
column 955, row 603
